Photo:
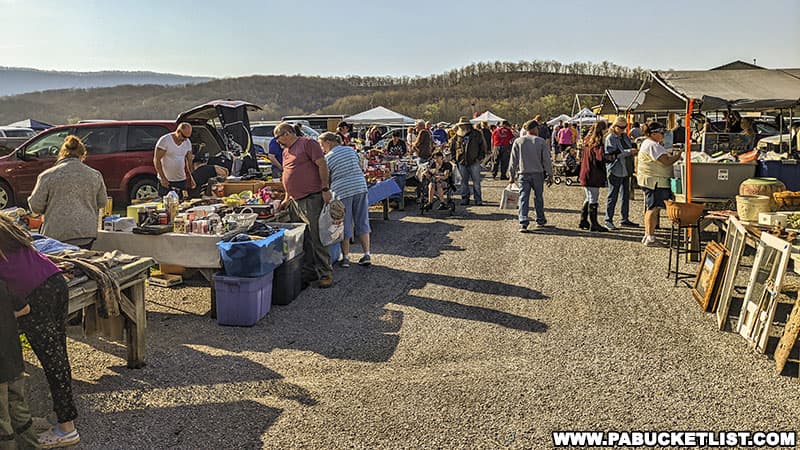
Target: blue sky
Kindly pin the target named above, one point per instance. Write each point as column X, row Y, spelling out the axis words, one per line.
column 228, row 39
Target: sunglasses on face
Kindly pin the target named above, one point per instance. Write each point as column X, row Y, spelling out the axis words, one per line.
column 180, row 133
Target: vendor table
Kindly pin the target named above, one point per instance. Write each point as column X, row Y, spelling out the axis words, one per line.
column 381, row 192
column 131, row 278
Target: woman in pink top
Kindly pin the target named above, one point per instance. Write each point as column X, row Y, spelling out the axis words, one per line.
column 565, row 140
column 30, row 275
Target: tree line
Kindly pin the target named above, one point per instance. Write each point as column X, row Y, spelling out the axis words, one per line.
column 516, row 91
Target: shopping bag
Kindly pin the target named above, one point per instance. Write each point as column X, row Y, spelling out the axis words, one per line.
column 456, row 176
column 510, row 198
column 330, row 231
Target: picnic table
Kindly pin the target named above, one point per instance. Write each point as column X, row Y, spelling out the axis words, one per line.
column 131, row 278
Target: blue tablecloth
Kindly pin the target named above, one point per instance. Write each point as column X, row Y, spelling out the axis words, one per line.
column 382, row 190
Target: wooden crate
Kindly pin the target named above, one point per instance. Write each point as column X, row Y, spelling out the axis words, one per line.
column 235, row 187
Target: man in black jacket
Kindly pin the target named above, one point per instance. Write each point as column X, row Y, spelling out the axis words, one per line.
column 469, row 149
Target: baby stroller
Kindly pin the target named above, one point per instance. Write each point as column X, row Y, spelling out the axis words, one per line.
column 424, row 178
column 563, row 172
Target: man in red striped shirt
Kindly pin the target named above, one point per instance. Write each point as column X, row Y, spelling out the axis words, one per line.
column 502, row 138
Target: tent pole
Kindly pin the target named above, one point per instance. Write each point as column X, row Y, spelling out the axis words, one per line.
column 688, row 164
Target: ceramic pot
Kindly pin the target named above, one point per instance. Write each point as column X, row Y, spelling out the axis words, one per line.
column 762, row 186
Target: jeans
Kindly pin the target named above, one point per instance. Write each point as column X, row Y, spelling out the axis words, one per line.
column 592, row 194
column 472, row 171
column 615, row 184
column 15, row 417
column 316, row 258
column 528, row 182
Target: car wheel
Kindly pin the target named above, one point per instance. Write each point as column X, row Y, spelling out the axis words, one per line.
column 6, row 196
column 144, row 189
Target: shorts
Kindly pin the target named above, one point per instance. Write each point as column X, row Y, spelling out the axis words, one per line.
column 654, row 198
column 356, row 215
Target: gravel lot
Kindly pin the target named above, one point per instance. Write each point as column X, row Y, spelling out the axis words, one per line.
column 464, row 334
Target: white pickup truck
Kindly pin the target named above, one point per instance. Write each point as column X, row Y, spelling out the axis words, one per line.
column 13, row 137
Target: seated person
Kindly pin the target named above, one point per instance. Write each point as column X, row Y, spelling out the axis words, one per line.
column 571, row 162
column 441, row 178
column 397, row 146
column 203, row 173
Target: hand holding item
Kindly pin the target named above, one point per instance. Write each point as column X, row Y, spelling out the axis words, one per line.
column 23, row 311
column 164, row 182
column 284, row 204
column 326, row 196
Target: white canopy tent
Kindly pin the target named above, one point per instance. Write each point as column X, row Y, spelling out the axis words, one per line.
column 380, row 116
column 488, row 116
column 562, row 118
column 585, row 117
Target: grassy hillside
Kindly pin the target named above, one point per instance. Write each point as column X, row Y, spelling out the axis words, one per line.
column 516, row 91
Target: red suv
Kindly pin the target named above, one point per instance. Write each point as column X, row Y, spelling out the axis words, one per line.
column 121, row 151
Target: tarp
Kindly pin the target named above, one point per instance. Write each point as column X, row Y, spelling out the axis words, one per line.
column 380, row 116
column 618, row 100
column 750, row 90
column 32, row 124
column 488, row 116
column 562, row 118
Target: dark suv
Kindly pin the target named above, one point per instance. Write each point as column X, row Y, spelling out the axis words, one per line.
column 121, row 151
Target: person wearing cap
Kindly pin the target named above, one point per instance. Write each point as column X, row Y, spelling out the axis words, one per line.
column 502, row 138
column 653, row 174
column 469, row 149
column 530, row 164
column 618, row 149
column 202, row 173
column 343, row 131
column 423, row 143
column 440, row 134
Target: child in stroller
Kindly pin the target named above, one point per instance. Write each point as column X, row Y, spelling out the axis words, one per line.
column 569, row 168
column 437, row 183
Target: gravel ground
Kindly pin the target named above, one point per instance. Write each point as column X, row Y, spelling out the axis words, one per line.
column 464, row 334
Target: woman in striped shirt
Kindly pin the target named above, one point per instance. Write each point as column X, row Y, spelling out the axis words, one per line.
column 350, row 186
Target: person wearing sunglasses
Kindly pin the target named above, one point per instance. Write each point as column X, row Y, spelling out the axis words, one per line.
column 619, row 149
column 653, row 174
column 173, row 161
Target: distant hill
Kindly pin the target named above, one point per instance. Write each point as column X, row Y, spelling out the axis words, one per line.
column 16, row 80
column 516, row 91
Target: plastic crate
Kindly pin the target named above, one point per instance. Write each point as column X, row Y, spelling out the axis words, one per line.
column 242, row 301
column 293, row 238
column 252, row 258
column 287, row 280
column 787, row 170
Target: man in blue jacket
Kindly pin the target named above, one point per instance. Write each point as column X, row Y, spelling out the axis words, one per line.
column 618, row 144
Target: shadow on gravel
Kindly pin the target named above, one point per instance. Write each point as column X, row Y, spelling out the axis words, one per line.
column 476, row 313
column 418, row 240
column 633, row 236
column 210, row 425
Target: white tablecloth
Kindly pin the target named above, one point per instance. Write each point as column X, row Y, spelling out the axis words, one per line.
column 188, row 250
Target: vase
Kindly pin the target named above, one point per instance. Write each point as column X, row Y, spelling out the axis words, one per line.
column 762, row 186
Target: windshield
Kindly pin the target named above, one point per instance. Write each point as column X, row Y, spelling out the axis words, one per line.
column 46, row 146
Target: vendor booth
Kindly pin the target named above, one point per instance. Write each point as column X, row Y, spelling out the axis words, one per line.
column 487, row 116
column 380, row 116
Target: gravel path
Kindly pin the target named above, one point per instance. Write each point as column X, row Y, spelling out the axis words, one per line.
column 464, row 334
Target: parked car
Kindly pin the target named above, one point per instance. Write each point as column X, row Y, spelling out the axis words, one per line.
column 263, row 132
column 121, row 150
column 12, row 137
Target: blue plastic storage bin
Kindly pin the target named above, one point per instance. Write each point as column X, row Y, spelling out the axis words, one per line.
column 242, row 301
column 787, row 170
column 252, row 258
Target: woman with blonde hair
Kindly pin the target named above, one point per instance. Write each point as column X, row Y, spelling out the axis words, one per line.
column 70, row 194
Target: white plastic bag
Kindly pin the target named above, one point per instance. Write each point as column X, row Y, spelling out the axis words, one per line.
column 510, row 198
column 330, row 232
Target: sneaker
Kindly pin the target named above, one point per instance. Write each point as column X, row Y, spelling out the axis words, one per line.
column 345, row 262
column 325, row 282
column 611, row 226
column 543, row 226
column 523, row 227
column 652, row 242
column 629, row 224
column 55, row 438
column 365, row 261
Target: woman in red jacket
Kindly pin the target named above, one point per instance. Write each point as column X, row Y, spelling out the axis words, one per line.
column 593, row 175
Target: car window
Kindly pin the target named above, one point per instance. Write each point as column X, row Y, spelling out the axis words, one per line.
column 262, row 130
column 766, row 129
column 144, row 137
column 47, row 145
column 310, row 132
column 100, row 140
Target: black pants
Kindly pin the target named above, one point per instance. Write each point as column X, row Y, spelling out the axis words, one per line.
column 501, row 161
column 45, row 328
column 178, row 186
